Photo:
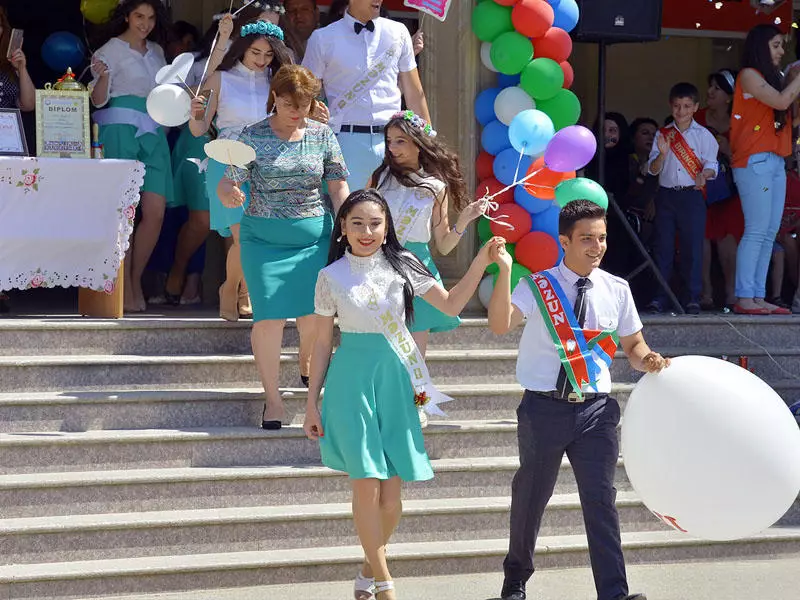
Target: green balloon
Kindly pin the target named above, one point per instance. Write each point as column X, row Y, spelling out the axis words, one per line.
column 511, row 51
column 484, row 229
column 542, row 78
column 517, row 273
column 564, row 109
column 581, row 188
column 493, row 268
column 489, row 20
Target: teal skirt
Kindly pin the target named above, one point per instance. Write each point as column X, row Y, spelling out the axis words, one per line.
column 281, row 259
column 222, row 217
column 120, row 141
column 369, row 419
column 190, row 182
column 426, row 317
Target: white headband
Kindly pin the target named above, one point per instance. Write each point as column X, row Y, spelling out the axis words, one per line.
column 728, row 76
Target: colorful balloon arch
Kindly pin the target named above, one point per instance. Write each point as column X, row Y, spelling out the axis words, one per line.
column 531, row 143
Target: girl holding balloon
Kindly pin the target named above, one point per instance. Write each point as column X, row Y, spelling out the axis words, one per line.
column 124, row 71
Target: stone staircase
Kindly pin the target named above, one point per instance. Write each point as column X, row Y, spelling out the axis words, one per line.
column 131, row 461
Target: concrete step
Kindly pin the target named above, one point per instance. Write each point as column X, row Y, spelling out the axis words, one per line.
column 147, row 335
column 243, row 529
column 185, row 488
column 87, row 579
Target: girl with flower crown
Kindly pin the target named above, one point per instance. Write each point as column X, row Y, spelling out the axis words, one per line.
column 369, row 427
column 124, row 71
column 242, row 87
column 420, row 178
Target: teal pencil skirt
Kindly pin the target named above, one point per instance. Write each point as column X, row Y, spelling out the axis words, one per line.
column 281, row 259
column 190, row 182
column 426, row 317
column 222, row 217
column 369, row 419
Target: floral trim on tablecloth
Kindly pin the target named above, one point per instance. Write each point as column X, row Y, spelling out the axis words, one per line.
column 103, row 279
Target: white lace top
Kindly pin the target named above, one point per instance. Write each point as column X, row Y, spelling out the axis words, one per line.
column 131, row 73
column 397, row 195
column 350, row 299
column 242, row 100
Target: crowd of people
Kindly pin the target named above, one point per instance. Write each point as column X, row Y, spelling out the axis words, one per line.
column 724, row 228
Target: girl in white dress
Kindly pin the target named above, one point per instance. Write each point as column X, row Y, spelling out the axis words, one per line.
column 124, row 72
column 241, row 86
column 369, row 426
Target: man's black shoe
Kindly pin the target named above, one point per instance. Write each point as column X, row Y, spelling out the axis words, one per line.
column 634, row 597
column 513, row 590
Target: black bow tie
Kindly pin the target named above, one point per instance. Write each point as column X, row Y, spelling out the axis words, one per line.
column 370, row 26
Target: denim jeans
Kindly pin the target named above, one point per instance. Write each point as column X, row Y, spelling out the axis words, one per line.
column 762, row 188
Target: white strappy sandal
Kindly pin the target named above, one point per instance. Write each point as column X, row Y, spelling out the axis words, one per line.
column 383, row 586
column 363, row 587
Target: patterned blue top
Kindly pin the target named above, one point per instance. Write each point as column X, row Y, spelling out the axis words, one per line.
column 286, row 177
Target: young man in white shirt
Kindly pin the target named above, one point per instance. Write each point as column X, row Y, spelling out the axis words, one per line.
column 555, row 416
column 366, row 64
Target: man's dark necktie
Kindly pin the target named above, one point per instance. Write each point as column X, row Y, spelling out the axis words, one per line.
column 563, row 385
column 359, row 27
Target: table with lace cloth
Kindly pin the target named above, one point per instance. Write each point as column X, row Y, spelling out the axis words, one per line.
column 65, row 222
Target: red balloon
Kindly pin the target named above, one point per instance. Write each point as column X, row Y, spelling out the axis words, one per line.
column 505, row 2
column 543, row 184
column 484, row 166
column 555, row 44
column 494, row 186
column 569, row 74
column 514, row 215
column 537, row 251
column 532, row 18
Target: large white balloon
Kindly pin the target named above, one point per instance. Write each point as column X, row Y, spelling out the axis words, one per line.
column 485, row 290
column 711, row 449
column 510, row 102
column 486, row 56
column 169, row 105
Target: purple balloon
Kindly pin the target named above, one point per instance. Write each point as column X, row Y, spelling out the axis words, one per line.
column 570, row 149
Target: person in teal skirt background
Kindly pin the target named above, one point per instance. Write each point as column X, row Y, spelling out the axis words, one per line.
column 369, row 426
column 286, row 227
column 124, row 71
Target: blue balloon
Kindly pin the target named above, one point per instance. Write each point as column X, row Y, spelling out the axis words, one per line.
column 554, row 3
column 63, row 49
column 508, row 164
column 529, row 202
column 546, row 221
column 531, row 131
column 494, row 138
column 567, row 14
column 484, row 106
column 505, row 81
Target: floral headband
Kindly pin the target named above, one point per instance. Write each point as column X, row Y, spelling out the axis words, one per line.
column 262, row 28
column 272, row 7
column 416, row 121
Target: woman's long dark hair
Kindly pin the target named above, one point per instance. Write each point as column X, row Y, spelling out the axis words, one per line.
column 280, row 54
column 434, row 157
column 402, row 260
column 756, row 55
column 117, row 25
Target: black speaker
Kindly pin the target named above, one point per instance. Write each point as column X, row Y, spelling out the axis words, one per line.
column 618, row 21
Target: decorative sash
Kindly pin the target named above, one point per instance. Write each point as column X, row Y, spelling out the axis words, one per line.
column 117, row 115
column 361, row 85
column 397, row 334
column 683, row 151
column 410, row 212
column 580, row 350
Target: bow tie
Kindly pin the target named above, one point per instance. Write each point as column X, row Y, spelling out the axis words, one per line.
column 370, row 26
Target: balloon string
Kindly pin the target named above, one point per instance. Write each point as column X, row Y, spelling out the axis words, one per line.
column 519, row 162
column 242, row 8
column 516, row 183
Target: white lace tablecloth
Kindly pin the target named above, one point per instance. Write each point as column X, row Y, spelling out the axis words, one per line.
column 65, row 222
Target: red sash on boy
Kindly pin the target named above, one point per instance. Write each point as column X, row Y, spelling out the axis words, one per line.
column 680, row 147
column 580, row 350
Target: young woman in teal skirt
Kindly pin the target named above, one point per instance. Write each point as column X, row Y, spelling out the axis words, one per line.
column 124, row 71
column 369, row 426
column 286, row 226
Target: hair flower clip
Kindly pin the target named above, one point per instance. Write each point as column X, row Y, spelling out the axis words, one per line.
column 270, row 6
column 262, row 28
column 416, row 121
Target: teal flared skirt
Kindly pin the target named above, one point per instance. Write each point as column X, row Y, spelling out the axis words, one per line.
column 281, row 259
column 222, row 217
column 369, row 419
column 152, row 149
column 190, row 181
column 426, row 317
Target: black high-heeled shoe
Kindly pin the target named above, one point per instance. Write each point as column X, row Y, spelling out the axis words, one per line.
column 304, row 380
column 5, row 303
column 271, row 425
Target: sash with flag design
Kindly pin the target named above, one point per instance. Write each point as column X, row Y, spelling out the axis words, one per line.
column 680, row 147
column 581, row 351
